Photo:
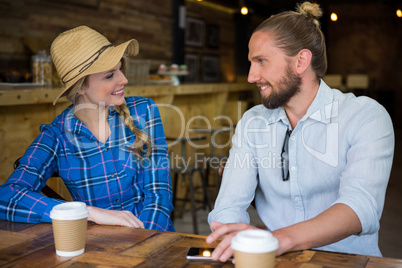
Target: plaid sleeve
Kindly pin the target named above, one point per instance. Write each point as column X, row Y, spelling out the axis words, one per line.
column 157, row 183
column 20, row 197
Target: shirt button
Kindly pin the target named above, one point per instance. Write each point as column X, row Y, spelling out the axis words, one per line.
column 106, row 149
column 293, row 168
column 297, row 198
column 112, row 175
column 117, row 200
column 293, row 138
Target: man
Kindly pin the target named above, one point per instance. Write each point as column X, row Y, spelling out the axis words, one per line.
column 317, row 161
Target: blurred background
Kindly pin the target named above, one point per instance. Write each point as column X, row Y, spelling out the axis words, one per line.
column 364, row 39
column 208, row 41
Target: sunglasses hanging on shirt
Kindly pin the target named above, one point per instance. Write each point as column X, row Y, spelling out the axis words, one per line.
column 285, row 156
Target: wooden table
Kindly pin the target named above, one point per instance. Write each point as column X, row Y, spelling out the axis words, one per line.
column 31, row 245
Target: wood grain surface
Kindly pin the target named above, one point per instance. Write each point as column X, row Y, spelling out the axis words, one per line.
column 32, row 245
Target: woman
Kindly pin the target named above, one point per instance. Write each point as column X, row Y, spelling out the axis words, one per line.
column 110, row 151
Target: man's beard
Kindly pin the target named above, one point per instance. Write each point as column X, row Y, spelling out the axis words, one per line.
column 288, row 86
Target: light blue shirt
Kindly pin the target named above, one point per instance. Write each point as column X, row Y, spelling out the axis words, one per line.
column 341, row 151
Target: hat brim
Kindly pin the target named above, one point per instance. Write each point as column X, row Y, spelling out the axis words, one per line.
column 108, row 59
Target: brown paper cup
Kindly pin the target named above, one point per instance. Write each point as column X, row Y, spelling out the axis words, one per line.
column 69, row 221
column 255, row 260
column 69, row 237
column 254, row 248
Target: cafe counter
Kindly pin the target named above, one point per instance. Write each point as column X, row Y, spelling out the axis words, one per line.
column 24, row 109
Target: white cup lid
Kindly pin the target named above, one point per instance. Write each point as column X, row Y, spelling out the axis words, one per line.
column 254, row 241
column 69, row 211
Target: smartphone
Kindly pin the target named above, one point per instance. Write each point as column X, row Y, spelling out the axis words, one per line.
column 199, row 253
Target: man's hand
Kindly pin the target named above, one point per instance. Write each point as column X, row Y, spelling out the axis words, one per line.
column 114, row 217
column 223, row 251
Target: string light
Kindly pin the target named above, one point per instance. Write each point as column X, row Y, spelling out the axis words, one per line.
column 334, row 17
column 399, row 13
column 244, row 10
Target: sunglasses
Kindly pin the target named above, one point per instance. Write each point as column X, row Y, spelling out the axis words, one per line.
column 285, row 156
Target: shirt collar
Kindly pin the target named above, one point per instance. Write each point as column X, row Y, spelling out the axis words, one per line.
column 277, row 115
column 322, row 109
column 74, row 125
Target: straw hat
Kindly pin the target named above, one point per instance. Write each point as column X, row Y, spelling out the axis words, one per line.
column 82, row 51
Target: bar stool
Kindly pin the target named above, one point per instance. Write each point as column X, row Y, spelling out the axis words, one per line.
column 187, row 173
column 212, row 156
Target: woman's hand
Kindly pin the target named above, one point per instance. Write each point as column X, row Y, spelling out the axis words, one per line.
column 223, row 251
column 114, row 217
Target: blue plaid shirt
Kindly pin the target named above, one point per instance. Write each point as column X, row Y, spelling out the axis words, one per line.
column 101, row 175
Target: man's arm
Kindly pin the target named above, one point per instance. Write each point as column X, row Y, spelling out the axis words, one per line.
column 332, row 225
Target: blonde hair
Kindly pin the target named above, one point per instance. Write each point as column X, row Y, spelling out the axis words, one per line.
column 141, row 138
column 299, row 30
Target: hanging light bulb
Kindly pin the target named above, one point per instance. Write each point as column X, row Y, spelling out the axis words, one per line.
column 334, row 17
column 399, row 13
column 244, row 10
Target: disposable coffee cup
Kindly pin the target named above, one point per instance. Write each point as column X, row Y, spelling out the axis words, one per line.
column 69, row 221
column 254, row 248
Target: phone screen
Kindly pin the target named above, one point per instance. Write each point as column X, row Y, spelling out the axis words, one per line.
column 199, row 253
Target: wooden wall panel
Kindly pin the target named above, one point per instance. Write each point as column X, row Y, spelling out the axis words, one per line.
column 20, row 126
column 27, row 26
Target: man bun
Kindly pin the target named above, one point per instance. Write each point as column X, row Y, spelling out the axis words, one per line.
column 312, row 10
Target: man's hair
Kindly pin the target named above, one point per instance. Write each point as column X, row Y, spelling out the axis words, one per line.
column 294, row 31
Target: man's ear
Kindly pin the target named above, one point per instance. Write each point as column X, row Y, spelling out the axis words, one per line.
column 303, row 60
